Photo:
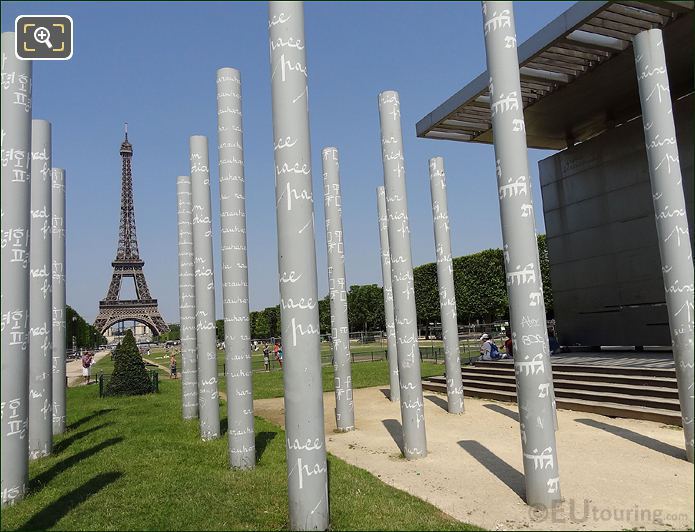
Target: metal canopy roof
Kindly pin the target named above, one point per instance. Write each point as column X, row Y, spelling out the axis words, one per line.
column 577, row 75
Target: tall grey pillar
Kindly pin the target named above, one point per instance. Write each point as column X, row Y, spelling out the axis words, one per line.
column 299, row 314
column 391, row 350
column 235, row 278
column 206, row 337
column 41, row 301
column 669, row 209
column 15, row 197
column 59, row 384
column 447, row 295
column 340, row 332
column 189, row 363
column 524, row 284
column 412, row 407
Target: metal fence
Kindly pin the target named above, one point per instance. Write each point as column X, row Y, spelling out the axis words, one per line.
column 104, row 378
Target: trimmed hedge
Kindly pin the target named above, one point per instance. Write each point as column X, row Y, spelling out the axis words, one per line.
column 129, row 375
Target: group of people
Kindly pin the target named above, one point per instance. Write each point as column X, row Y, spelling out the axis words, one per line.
column 490, row 351
column 277, row 351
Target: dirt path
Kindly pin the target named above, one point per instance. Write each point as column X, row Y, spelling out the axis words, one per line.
column 615, row 473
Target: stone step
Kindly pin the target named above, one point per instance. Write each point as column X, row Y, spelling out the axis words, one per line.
column 668, row 392
column 615, row 376
column 605, row 408
column 591, row 368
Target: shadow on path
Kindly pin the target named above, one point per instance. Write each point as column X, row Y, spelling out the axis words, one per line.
column 58, row 509
column 262, row 441
column 395, row 430
column 495, row 465
column 439, row 401
column 386, row 392
column 44, row 478
column 85, row 419
column 502, row 410
column 67, row 442
column 636, row 437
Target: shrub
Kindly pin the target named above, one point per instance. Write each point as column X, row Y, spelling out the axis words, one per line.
column 129, row 374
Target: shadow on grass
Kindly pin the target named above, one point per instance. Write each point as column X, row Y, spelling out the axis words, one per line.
column 262, row 441
column 88, row 418
column 636, row 437
column 502, row 410
column 58, row 509
column 439, row 401
column 224, row 426
column 495, row 465
column 395, row 430
column 67, row 442
column 44, row 478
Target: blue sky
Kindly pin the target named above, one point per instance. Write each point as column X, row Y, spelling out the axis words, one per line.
column 153, row 65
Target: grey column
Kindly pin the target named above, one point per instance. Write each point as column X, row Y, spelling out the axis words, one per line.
column 206, row 338
column 340, row 332
column 669, row 209
column 445, row 278
column 391, row 350
column 235, row 279
column 14, row 269
column 189, row 363
column 59, row 384
column 299, row 313
column 524, row 285
column 412, row 408
column 41, row 301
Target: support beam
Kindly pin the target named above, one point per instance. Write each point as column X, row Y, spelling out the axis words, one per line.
column 669, row 208
column 15, row 196
column 206, row 337
column 412, row 407
column 60, row 383
column 299, row 314
column 447, row 294
column 340, row 332
column 524, row 284
column 391, row 349
column 40, row 290
column 189, row 363
column 235, row 278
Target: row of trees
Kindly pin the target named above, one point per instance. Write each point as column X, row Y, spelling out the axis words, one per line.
column 80, row 333
column 481, row 295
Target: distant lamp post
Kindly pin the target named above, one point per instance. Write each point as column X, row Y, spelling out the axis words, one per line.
column 74, row 335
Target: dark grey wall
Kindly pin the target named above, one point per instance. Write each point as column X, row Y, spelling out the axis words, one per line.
column 604, row 255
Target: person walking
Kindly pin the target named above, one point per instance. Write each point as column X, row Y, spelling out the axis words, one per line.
column 266, row 357
column 86, row 364
column 172, row 366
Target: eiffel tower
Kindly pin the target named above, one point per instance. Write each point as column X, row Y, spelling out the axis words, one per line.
column 128, row 263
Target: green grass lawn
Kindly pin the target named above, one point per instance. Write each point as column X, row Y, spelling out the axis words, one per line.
column 133, row 464
column 362, row 353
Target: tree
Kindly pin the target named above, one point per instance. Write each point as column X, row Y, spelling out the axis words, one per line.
column 260, row 325
column 545, row 275
column 129, row 374
column 219, row 330
column 325, row 315
column 366, row 308
column 83, row 333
